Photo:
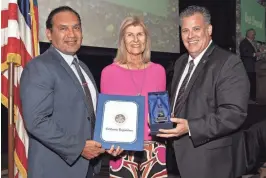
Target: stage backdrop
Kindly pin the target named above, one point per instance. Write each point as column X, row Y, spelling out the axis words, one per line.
column 101, row 20
column 253, row 16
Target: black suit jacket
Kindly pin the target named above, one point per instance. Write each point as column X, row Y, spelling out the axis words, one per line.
column 215, row 105
column 246, row 53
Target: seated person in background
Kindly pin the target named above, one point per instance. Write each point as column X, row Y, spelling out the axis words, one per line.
column 256, row 147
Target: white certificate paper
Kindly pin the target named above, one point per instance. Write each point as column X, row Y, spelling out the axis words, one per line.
column 120, row 121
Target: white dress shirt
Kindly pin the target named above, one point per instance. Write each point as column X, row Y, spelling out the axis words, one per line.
column 253, row 44
column 69, row 59
column 196, row 61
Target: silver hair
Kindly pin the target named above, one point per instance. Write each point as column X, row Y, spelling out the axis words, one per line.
column 191, row 10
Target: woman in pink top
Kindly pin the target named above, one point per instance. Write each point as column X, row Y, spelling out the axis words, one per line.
column 132, row 73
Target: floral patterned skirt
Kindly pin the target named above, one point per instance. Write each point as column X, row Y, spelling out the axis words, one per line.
column 149, row 163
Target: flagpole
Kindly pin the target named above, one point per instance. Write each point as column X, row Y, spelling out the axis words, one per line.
column 11, row 120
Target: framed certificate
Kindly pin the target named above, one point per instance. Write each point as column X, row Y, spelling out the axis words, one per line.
column 120, row 122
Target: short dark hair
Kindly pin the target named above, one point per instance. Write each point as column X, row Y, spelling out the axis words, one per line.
column 191, row 10
column 49, row 21
column 248, row 30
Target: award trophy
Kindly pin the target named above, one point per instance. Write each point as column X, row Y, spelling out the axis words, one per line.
column 159, row 111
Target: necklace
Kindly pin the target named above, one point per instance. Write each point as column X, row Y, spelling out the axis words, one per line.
column 133, row 81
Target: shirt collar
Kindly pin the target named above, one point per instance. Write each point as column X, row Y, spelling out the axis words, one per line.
column 252, row 43
column 198, row 58
column 249, row 40
column 68, row 58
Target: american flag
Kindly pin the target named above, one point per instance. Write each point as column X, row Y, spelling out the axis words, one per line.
column 19, row 43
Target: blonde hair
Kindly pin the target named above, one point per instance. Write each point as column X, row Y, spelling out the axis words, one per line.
column 121, row 55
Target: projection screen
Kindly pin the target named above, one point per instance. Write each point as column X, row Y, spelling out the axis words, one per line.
column 101, row 20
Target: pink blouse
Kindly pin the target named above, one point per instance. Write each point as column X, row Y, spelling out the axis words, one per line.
column 121, row 81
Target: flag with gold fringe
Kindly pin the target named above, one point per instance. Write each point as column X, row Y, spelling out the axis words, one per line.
column 19, row 44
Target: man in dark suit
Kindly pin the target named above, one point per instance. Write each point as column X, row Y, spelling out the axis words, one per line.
column 210, row 91
column 58, row 95
column 249, row 54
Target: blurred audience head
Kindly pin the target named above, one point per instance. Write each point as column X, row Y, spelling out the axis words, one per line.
column 251, row 34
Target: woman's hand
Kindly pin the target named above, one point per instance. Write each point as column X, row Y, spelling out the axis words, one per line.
column 115, row 152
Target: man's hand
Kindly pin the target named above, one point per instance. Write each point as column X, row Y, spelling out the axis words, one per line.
column 115, row 152
column 180, row 129
column 257, row 54
column 92, row 149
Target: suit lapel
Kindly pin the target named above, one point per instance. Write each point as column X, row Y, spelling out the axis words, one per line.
column 70, row 73
column 180, row 69
column 195, row 75
column 249, row 43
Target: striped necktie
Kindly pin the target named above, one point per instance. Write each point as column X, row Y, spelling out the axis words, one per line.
column 87, row 94
column 183, row 87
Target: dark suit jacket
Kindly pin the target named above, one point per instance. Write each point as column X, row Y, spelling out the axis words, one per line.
column 246, row 54
column 56, row 117
column 215, row 105
column 256, row 145
column 261, row 81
